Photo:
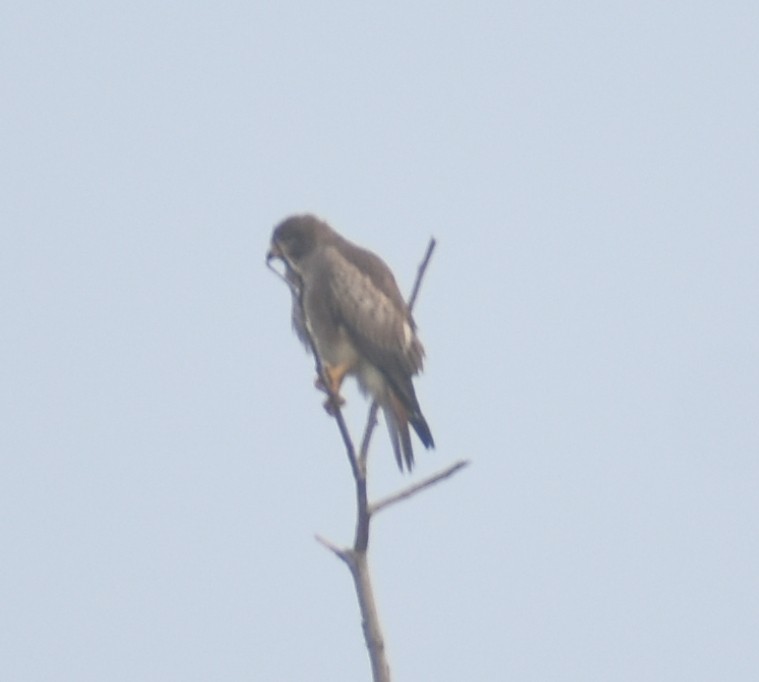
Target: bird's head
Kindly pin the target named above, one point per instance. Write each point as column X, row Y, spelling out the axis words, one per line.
column 296, row 238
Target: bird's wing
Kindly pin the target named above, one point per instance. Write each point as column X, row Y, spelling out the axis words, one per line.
column 366, row 302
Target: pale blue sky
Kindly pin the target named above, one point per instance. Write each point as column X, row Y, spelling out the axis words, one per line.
column 590, row 171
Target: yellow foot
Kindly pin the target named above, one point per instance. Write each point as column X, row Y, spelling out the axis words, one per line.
column 335, row 376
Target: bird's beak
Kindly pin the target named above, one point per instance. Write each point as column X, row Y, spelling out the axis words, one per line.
column 273, row 252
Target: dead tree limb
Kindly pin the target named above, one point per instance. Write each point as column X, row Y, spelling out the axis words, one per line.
column 404, row 494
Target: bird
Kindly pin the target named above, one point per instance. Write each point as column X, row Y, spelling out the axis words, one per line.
column 346, row 300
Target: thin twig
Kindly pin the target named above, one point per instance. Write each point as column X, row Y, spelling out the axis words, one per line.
column 290, row 284
column 371, row 422
column 420, row 274
column 417, row 487
column 349, row 448
column 342, row 554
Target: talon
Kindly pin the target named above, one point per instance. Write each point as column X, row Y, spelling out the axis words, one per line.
column 334, row 375
column 329, row 408
column 328, row 402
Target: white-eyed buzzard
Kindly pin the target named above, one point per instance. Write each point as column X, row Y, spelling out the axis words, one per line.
column 358, row 320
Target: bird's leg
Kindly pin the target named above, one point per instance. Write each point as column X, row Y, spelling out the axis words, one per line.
column 335, row 375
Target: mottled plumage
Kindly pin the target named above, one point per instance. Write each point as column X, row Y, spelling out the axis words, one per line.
column 359, row 321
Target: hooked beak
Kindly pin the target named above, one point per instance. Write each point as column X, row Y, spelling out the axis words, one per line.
column 273, row 252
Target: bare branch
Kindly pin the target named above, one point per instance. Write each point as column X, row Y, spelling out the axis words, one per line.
column 375, row 641
column 342, row 554
column 349, row 448
column 420, row 274
column 371, row 422
column 361, row 541
column 417, row 487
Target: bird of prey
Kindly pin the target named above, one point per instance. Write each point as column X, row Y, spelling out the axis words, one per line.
column 347, row 299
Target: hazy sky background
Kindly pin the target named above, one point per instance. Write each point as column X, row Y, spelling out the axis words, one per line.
column 591, row 172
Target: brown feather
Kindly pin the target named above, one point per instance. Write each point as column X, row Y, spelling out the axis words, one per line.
column 397, row 423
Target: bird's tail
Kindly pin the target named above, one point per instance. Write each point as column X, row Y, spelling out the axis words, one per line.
column 400, row 439
column 398, row 418
column 422, row 429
